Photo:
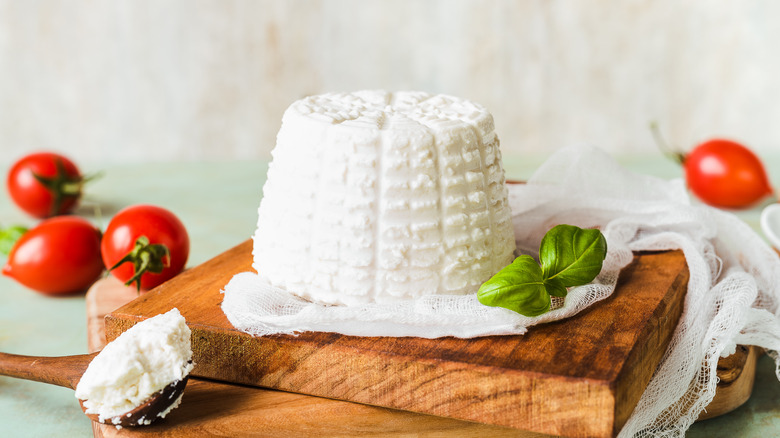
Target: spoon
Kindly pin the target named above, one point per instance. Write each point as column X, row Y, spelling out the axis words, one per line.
column 67, row 371
column 770, row 223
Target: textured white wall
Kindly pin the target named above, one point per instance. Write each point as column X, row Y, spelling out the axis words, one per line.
column 129, row 81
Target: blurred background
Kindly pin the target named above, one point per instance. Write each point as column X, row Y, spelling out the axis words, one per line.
column 140, row 81
column 179, row 103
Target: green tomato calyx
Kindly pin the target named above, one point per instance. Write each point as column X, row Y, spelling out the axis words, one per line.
column 146, row 258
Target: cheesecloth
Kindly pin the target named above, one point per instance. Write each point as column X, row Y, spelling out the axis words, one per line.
column 732, row 294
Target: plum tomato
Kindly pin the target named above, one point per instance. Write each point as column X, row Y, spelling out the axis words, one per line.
column 146, row 245
column 721, row 173
column 59, row 256
column 45, row 184
column 726, row 174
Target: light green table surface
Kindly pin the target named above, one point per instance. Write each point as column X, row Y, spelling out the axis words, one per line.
column 217, row 202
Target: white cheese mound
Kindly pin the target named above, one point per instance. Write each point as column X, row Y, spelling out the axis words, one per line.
column 383, row 197
column 140, row 362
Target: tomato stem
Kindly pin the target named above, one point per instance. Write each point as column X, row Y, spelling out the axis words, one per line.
column 663, row 145
column 145, row 257
column 62, row 186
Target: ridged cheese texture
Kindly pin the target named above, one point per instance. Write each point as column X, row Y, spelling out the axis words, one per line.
column 378, row 197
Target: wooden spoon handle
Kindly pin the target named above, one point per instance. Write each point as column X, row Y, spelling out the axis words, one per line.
column 61, row 371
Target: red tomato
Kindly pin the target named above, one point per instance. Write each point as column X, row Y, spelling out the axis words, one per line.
column 723, row 173
column 45, row 184
column 146, row 243
column 59, row 256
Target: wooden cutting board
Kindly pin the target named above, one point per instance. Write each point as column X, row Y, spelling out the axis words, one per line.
column 580, row 377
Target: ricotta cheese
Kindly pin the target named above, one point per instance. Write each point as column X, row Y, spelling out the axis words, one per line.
column 380, row 197
column 140, row 362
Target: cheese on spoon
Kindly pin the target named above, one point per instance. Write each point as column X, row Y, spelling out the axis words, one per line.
column 139, row 363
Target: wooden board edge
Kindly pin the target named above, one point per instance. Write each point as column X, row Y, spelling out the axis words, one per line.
column 483, row 383
column 664, row 320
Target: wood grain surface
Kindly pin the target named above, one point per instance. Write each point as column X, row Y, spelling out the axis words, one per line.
column 580, row 377
column 65, row 371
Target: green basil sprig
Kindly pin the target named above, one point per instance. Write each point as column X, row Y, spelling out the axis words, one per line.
column 569, row 256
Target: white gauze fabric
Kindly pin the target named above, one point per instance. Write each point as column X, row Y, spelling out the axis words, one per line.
column 732, row 294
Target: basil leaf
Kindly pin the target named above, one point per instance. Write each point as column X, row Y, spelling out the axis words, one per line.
column 572, row 255
column 519, row 287
column 555, row 287
column 9, row 236
column 569, row 256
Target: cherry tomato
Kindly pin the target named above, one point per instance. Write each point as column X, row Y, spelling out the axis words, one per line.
column 45, row 184
column 59, row 256
column 146, row 245
column 726, row 174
